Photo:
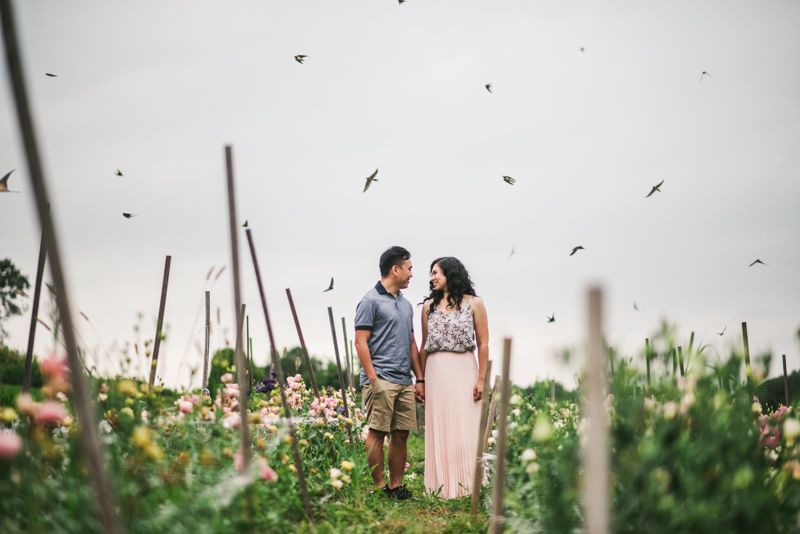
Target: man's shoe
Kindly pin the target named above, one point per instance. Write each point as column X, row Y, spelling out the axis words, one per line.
column 386, row 492
column 401, row 494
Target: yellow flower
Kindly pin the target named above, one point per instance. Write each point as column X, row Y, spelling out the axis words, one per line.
column 127, row 387
column 8, row 415
column 292, row 468
column 287, row 438
column 348, row 466
column 303, row 442
column 127, row 411
column 345, row 479
column 141, row 436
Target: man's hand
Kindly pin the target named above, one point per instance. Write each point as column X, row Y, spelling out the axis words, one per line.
column 419, row 392
column 372, row 379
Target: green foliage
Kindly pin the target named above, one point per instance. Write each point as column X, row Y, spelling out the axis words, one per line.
column 12, row 368
column 325, row 373
column 11, row 283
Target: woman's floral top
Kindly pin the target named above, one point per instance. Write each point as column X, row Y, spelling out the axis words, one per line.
column 451, row 332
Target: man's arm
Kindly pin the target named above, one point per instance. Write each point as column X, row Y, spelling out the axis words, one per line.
column 364, row 356
column 419, row 387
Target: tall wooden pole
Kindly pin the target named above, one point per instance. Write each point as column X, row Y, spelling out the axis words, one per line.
column 347, row 356
column 287, row 409
column 492, row 412
column 37, row 291
column 241, row 343
column 303, row 344
column 596, row 490
column 342, row 383
column 160, row 323
column 785, row 382
column 746, row 349
column 498, row 517
column 237, row 306
column 647, row 357
column 92, row 450
column 477, row 481
column 204, row 388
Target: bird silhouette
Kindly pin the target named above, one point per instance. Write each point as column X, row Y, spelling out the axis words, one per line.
column 4, row 184
column 704, row 74
column 330, row 287
column 552, row 318
column 400, row 2
column 244, row 225
column 299, row 58
column 583, row 49
column 370, row 179
column 51, row 75
column 723, row 330
column 119, row 173
column 128, row 215
column 509, row 180
column 512, row 251
column 757, row 261
column 635, row 307
column 576, row 249
column 655, row 188
column 488, row 87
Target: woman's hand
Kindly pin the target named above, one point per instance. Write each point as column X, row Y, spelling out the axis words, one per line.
column 419, row 392
column 477, row 391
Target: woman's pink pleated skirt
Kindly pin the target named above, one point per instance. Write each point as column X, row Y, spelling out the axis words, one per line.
column 451, row 423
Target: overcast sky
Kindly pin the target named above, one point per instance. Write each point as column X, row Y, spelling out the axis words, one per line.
column 157, row 89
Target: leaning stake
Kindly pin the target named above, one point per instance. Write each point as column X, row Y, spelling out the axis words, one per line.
column 746, row 349
column 492, row 411
column 647, row 357
column 496, row 525
column 287, row 410
column 477, row 480
column 204, row 388
column 303, row 345
column 92, row 451
column 37, row 291
column 347, row 357
column 160, row 323
column 595, row 453
column 785, row 382
column 341, row 376
column 237, row 303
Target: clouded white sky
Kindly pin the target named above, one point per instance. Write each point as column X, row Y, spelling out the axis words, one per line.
column 157, row 89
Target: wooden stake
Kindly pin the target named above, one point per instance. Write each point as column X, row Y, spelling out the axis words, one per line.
column 498, row 518
column 647, row 357
column 208, row 342
column 342, row 383
column 477, row 481
column 746, row 349
column 92, row 450
column 298, row 462
column 160, row 323
column 680, row 358
column 596, row 451
column 303, row 345
column 239, row 343
column 492, row 412
column 37, row 291
column 347, row 356
column 353, row 364
column 785, row 382
column 237, row 306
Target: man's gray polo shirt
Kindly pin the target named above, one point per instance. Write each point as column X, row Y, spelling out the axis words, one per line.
column 391, row 321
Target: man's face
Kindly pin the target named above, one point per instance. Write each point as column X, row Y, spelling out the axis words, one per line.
column 403, row 273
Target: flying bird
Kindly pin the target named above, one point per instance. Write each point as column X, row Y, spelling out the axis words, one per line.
column 400, row 2
column 723, row 330
column 509, row 180
column 128, row 215
column 704, row 74
column 655, row 188
column 370, row 179
column 4, row 184
column 757, row 261
column 119, row 173
column 488, row 87
column 583, row 49
column 552, row 318
column 244, row 225
column 329, row 287
column 299, row 58
column 576, row 249
column 51, row 75
column 512, row 252
column 635, row 307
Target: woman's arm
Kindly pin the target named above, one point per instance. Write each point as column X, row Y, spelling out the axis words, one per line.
column 423, row 355
column 482, row 340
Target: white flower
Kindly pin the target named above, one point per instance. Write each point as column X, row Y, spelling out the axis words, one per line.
column 532, row 468
column 670, row 409
column 491, row 442
column 528, row 455
column 791, row 429
column 495, row 433
column 337, row 484
column 335, row 473
column 515, row 411
column 514, row 399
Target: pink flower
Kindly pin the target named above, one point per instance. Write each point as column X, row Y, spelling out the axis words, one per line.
column 234, row 404
column 226, row 409
column 290, row 380
column 25, row 405
column 298, row 376
column 231, row 392
column 185, row 406
column 275, row 410
column 103, row 387
column 238, row 461
column 10, row 444
column 771, row 442
column 231, row 421
column 50, row 412
column 196, row 400
column 755, row 399
column 315, row 404
column 294, row 385
column 266, row 473
column 406, row 469
column 54, row 367
column 227, row 377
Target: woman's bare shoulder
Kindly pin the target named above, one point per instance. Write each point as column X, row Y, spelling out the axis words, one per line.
column 477, row 302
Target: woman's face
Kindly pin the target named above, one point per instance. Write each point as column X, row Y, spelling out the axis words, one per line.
column 438, row 280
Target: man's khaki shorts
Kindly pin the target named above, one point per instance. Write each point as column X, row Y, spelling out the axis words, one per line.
column 390, row 406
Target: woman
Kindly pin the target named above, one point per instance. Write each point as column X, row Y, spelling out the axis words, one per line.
column 453, row 325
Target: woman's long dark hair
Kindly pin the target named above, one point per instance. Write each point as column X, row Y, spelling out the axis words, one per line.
column 458, row 283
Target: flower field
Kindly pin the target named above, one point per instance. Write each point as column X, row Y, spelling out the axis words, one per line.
column 689, row 454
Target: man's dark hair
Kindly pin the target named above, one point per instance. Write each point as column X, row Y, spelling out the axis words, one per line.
column 393, row 256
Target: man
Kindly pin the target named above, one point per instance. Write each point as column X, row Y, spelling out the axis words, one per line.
column 387, row 352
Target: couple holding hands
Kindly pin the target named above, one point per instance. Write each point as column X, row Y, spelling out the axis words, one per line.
column 449, row 378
